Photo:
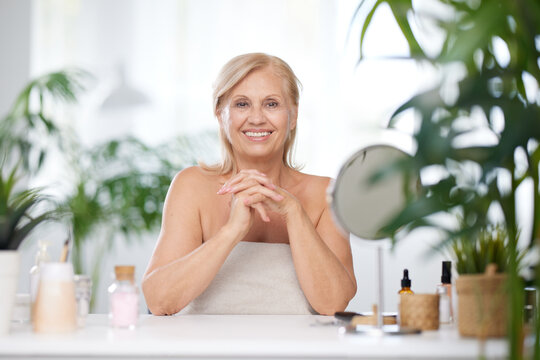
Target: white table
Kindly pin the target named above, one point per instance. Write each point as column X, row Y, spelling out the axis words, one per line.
column 238, row 337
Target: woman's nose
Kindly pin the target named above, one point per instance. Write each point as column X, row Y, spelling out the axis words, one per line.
column 256, row 116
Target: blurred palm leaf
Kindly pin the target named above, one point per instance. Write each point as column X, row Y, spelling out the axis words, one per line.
column 16, row 221
column 122, row 184
column 28, row 130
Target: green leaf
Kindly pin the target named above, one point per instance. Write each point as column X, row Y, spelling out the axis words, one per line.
column 400, row 9
column 366, row 24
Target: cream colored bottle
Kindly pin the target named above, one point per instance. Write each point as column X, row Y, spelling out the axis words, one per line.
column 55, row 308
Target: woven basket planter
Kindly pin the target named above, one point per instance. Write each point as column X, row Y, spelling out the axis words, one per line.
column 419, row 311
column 482, row 305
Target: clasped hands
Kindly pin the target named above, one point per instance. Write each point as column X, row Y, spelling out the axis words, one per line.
column 252, row 189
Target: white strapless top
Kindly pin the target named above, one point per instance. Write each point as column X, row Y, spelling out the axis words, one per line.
column 256, row 278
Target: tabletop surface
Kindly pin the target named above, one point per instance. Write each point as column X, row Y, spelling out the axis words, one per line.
column 240, row 336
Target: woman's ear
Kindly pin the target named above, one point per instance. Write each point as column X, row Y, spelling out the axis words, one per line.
column 293, row 116
column 219, row 116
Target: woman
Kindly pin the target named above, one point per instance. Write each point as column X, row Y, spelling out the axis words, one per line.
column 253, row 234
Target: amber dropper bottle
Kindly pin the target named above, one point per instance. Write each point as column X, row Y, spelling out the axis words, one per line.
column 405, row 283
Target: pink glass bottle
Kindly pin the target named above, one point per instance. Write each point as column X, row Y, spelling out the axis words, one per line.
column 123, row 298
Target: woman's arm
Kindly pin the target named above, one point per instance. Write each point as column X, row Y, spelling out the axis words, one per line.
column 321, row 254
column 323, row 261
column 182, row 266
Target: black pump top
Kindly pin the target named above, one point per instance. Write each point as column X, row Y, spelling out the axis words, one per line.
column 446, row 277
column 405, row 282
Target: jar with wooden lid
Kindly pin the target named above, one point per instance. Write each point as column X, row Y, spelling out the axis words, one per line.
column 123, row 298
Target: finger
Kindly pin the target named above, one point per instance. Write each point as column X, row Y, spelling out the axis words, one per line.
column 243, row 176
column 265, row 192
column 251, row 186
column 232, row 181
column 247, row 183
column 263, row 180
column 227, row 184
column 254, row 199
column 262, row 211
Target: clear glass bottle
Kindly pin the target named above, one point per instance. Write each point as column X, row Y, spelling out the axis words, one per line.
column 83, row 296
column 405, row 284
column 444, row 289
column 42, row 256
column 124, row 298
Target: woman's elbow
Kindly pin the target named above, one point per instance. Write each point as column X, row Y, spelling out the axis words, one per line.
column 330, row 309
column 157, row 299
column 335, row 304
column 159, row 307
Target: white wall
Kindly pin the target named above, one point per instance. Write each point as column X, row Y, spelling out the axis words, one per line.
column 15, row 43
column 411, row 253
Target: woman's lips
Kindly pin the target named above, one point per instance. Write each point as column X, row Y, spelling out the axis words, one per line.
column 257, row 135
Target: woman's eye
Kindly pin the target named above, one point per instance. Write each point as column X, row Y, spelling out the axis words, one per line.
column 272, row 104
column 241, row 104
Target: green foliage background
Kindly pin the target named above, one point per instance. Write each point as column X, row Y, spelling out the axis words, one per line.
column 115, row 189
column 491, row 99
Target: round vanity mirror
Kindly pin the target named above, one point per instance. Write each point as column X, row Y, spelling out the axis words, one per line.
column 367, row 194
column 364, row 205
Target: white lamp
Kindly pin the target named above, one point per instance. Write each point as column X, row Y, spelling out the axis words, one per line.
column 124, row 95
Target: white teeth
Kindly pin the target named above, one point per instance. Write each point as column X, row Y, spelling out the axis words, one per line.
column 257, row 134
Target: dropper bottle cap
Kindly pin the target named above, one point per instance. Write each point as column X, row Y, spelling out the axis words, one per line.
column 446, row 277
column 405, row 282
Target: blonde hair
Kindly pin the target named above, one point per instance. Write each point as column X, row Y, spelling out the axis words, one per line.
column 232, row 73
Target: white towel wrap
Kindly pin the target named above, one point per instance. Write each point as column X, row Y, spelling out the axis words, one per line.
column 256, row 278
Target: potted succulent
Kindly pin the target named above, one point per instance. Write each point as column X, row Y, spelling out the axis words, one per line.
column 482, row 263
column 17, row 221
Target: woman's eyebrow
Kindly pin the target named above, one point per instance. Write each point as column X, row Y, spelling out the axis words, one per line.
column 273, row 95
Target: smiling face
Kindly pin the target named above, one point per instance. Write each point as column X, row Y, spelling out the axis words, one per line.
column 257, row 116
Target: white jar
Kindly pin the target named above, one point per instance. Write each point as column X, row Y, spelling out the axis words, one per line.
column 55, row 307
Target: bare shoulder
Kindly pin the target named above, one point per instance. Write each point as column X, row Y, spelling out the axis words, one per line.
column 313, row 185
column 310, row 190
column 195, row 174
column 194, row 181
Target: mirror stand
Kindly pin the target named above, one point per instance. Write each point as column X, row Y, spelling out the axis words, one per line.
column 379, row 329
column 363, row 207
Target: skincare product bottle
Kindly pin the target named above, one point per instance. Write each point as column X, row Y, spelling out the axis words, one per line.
column 444, row 289
column 42, row 256
column 55, row 309
column 123, row 298
column 405, row 283
column 83, row 295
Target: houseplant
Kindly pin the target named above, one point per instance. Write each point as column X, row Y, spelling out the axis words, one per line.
column 479, row 127
column 482, row 263
column 29, row 131
column 118, row 190
column 111, row 189
column 18, row 219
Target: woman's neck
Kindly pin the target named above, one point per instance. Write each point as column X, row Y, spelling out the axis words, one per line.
column 276, row 172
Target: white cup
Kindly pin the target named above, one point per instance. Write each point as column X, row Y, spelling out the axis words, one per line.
column 55, row 307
